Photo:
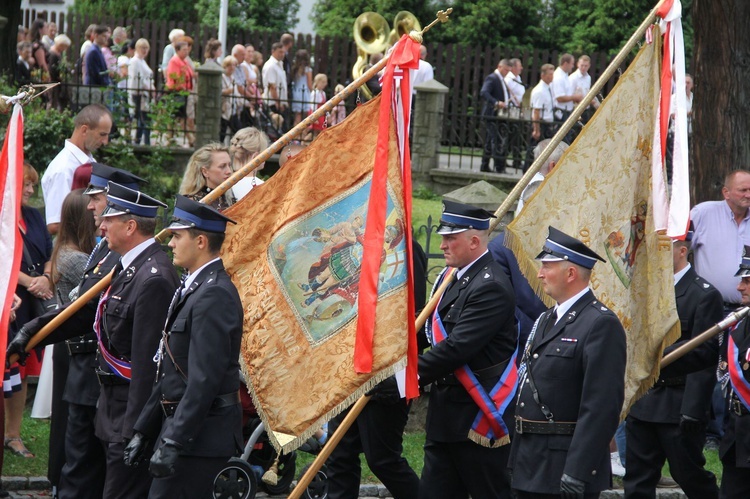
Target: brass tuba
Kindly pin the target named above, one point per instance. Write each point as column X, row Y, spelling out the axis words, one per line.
column 403, row 23
column 371, row 37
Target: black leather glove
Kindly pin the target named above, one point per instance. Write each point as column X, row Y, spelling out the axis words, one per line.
column 18, row 346
column 691, row 426
column 134, row 450
column 164, row 459
column 571, row 488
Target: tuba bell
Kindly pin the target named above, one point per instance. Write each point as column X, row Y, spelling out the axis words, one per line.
column 371, row 36
column 403, row 23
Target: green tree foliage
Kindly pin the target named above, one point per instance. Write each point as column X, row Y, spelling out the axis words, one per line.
column 492, row 23
column 156, row 10
column 254, row 15
column 575, row 26
column 580, row 26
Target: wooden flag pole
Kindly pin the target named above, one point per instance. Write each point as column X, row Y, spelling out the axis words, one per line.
column 706, row 335
column 65, row 314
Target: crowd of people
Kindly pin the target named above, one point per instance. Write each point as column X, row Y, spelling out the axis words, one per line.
column 275, row 93
column 508, row 134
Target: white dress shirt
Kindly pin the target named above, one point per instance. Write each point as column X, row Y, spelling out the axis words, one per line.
column 561, row 86
column 58, row 179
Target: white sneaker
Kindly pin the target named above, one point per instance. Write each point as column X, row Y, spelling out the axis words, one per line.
column 617, row 468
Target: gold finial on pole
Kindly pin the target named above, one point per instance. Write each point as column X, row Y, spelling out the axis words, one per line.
column 25, row 94
column 442, row 17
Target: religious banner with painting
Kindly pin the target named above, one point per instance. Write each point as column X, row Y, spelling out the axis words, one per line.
column 296, row 256
column 600, row 192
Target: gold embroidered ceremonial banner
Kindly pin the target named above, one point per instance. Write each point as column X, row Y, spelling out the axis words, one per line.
column 295, row 257
column 600, row 192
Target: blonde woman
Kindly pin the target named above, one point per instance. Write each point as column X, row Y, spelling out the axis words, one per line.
column 208, row 167
column 244, row 146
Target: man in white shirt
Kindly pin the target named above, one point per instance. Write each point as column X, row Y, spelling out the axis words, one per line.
column 274, row 80
column 541, row 105
column 92, row 126
column 580, row 81
column 564, row 98
column 518, row 130
column 513, row 82
column 424, row 72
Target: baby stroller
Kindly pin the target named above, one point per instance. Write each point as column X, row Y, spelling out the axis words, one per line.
column 260, row 467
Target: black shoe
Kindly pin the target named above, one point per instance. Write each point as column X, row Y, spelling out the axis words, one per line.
column 499, row 170
column 485, row 168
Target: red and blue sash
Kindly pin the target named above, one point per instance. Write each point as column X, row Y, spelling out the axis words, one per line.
column 118, row 366
column 739, row 384
column 488, row 429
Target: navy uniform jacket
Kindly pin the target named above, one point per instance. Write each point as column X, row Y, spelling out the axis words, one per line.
column 737, row 428
column 205, row 331
column 82, row 386
column 477, row 312
column 579, row 370
column 699, row 306
column 133, row 321
column 493, row 90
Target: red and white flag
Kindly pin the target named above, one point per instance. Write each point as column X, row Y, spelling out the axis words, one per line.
column 671, row 213
column 11, row 245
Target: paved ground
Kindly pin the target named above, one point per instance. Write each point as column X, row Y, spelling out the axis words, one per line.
column 36, row 488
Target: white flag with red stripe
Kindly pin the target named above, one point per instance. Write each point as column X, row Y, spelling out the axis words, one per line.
column 11, row 244
column 672, row 212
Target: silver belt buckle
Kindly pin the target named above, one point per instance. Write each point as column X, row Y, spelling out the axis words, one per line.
column 519, row 426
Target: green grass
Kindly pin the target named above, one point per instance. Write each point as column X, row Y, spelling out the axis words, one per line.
column 35, row 435
column 713, row 464
column 421, row 209
column 413, row 452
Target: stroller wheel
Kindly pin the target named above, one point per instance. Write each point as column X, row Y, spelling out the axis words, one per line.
column 287, row 466
column 318, row 488
column 236, row 480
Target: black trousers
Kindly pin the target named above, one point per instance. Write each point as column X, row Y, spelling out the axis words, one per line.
column 520, row 494
column 650, row 444
column 193, row 479
column 455, row 470
column 378, row 432
column 56, row 461
column 131, row 482
column 495, row 144
column 735, row 481
column 85, row 468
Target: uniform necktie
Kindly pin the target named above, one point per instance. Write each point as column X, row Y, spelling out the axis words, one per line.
column 550, row 323
column 118, row 268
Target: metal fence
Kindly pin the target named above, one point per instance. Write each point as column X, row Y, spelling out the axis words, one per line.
column 464, row 136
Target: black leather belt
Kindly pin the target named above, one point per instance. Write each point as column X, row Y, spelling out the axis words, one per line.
column 544, row 427
column 81, row 347
column 487, row 373
column 676, row 381
column 738, row 407
column 228, row 399
column 110, row 379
